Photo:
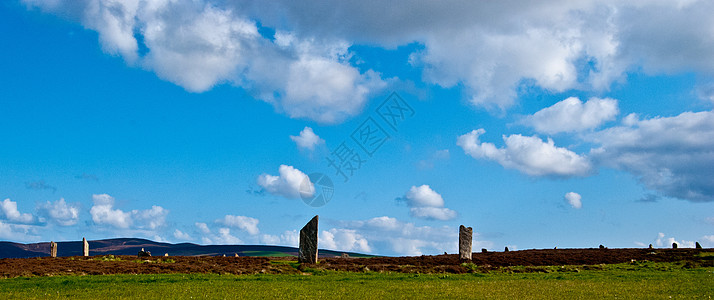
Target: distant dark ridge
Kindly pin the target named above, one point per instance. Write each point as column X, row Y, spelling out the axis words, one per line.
column 131, row 246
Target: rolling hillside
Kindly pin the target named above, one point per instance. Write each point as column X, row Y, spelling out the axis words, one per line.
column 131, row 246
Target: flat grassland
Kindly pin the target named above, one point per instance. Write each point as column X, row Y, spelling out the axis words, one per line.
column 690, row 277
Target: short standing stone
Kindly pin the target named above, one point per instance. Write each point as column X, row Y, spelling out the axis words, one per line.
column 85, row 251
column 308, row 242
column 602, row 247
column 484, row 250
column 651, row 246
column 166, row 254
column 236, row 254
column 674, row 245
column 53, row 249
column 143, row 253
column 506, row 249
column 344, row 255
column 465, row 237
column 697, row 245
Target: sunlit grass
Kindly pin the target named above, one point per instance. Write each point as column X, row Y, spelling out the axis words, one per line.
column 644, row 280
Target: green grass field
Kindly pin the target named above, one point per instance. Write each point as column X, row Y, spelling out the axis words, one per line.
column 642, row 281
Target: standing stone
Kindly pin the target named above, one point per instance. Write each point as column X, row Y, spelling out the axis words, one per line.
column 308, row 242
column 506, row 249
column 674, row 245
column 465, row 234
column 53, row 249
column 697, row 245
column 650, row 246
column 85, row 252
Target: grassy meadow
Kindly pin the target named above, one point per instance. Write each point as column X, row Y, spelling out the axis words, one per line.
column 641, row 281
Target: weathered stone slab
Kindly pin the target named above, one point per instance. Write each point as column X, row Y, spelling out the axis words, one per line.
column 85, row 251
column 465, row 237
column 53, row 249
column 308, row 242
column 697, row 245
column 674, row 245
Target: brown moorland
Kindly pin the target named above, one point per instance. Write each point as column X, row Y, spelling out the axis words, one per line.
column 448, row 263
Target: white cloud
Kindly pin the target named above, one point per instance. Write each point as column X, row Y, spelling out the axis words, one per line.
column 493, row 47
column 198, row 44
column 104, row 213
column 387, row 235
column 18, row 232
column 224, row 237
column 247, row 224
column 425, row 203
column 529, row 155
column 671, row 155
column 307, row 139
column 287, row 184
column 182, row 236
column 60, row 212
column 203, row 227
column 664, row 241
column 343, row 240
column 573, row 199
column 435, row 213
column 9, row 211
column 570, row 115
column 423, row 196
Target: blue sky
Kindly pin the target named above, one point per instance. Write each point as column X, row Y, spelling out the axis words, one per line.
column 539, row 125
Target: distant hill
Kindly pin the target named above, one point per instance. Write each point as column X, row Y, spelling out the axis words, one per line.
column 131, row 246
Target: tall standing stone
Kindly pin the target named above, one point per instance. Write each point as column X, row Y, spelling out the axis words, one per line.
column 53, row 249
column 85, row 251
column 308, row 242
column 465, row 234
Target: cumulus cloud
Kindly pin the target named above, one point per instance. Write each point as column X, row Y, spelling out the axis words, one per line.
column 529, row 155
column 9, row 211
column 182, row 236
column 573, row 199
column 492, row 48
column 18, row 232
column 425, row 203
column 307, row 139
column 60, row 212
column 202, row 227
column 571, row 115
column 247, row 224
column 389, row 235
column 343, row 240
column 199, row 44
column 664, row 241
column 104, row 213
column 287, row 183
column 671, row 155
column 222, row 236
column 287, row 238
